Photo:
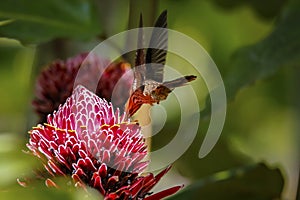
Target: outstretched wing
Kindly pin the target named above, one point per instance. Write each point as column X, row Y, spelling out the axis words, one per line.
column 156, row 57
column 139, row 69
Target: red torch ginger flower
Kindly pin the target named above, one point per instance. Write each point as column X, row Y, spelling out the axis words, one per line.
column 55, row 83
column 89, row 141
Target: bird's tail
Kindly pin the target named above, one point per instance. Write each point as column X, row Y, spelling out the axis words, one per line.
column 179, row 81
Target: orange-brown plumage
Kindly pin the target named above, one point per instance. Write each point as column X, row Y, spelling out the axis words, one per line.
column 148, row 86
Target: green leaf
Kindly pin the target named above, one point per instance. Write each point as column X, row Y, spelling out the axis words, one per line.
column 251, row 182
column 280, row 49
column 263, row 9
column 38, row 193
column 40, row 21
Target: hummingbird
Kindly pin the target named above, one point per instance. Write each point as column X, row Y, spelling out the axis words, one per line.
column 148, row 85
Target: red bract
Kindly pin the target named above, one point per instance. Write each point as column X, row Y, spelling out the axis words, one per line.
column 89, row 141
column 56, row 82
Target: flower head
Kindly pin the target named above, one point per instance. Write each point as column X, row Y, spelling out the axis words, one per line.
column 89, row 141
column 56, row 82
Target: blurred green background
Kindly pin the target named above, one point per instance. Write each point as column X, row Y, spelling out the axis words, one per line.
column 256, row 46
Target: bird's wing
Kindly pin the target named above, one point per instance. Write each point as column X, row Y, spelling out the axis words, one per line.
column 139, row 69
column 156, row 57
